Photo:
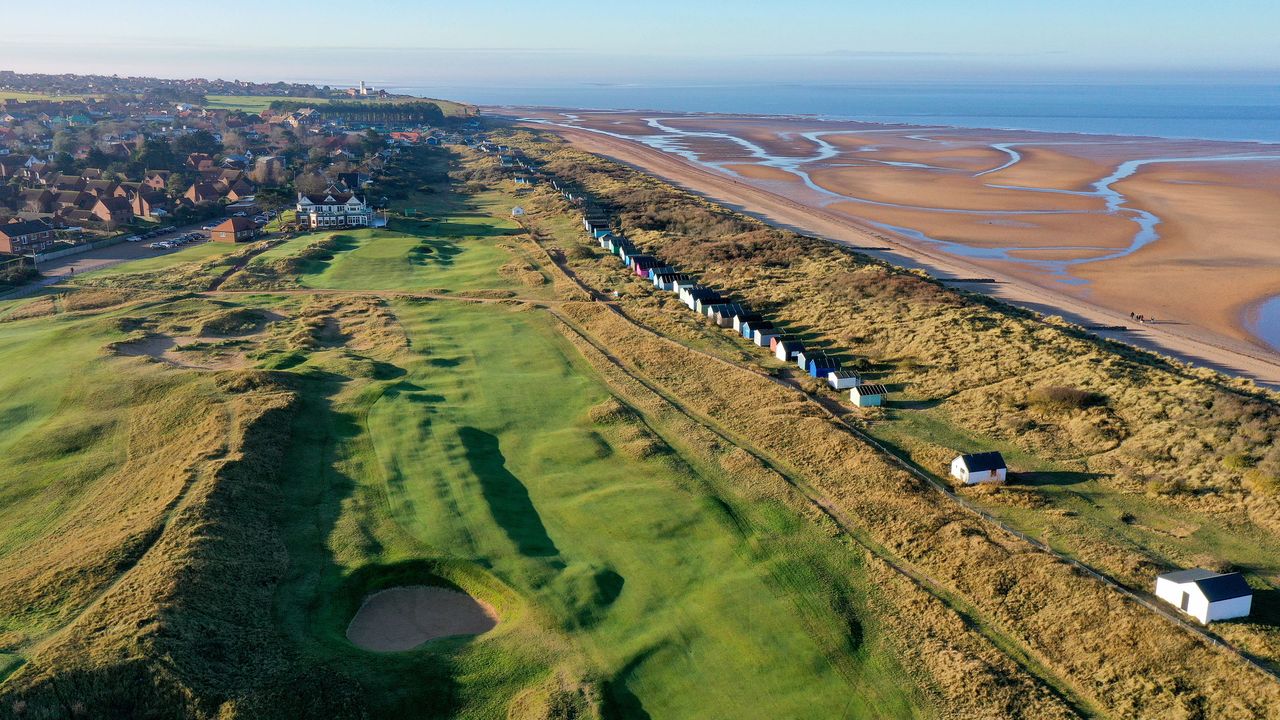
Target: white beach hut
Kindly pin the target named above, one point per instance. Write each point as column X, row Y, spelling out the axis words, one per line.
column 868, row 394
column 979, row 468
column 1206, row 595
column 843, row 379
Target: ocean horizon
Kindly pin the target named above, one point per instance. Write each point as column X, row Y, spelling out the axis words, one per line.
column 1238, row 111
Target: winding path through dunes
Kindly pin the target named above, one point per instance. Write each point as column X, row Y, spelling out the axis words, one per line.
column 1184, row 342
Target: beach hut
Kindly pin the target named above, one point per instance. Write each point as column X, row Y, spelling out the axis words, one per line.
column 622, row 247
column 726, row 314
column 741, row 320
column 843, row 379
column 762, row 334
column 868, row 394
column 1206, row 595
column 661, row 269
column 979, row 468
column 604, row 240
column 820, row 364
column 802, row 359
column 683, row 282
column 668, row 281
column 706, row 301
column 641, row 264
column 597, row 225
column 784, row 348
column 690, row 295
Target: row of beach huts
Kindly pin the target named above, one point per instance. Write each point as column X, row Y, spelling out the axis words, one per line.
column 1202, row 594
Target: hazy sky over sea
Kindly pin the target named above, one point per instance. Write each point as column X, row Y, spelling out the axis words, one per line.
column 398, row 42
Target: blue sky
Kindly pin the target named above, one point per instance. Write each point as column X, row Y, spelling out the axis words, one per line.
column 575, row 41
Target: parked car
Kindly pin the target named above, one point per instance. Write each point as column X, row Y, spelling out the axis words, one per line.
column 132, row 238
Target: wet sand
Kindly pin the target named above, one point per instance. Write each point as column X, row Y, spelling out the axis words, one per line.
column 1080, row 253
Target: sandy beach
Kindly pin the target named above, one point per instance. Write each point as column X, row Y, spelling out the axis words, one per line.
column 1087, row 227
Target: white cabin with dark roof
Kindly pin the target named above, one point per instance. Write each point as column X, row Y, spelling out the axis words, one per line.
column 843, row 379
column 979, row 468
column 1206, row 595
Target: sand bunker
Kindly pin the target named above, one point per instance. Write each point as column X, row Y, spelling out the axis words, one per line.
column 169, row 349
column 405, row 617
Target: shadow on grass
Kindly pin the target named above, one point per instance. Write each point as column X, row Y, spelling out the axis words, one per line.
column 1060, row 479
column 508, row 498
column 437, row 251
column 619, row 702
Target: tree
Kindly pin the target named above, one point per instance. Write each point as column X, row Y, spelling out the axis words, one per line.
column 311, row 182
column 96, row 158
column 66, row 141
column 200, row 141
column 156, row 155
column 372, row 141
column 234, row 142
column 177, row 184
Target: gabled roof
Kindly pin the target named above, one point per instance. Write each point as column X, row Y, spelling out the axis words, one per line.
column 235, row 224
column 878, row 389
column 1215, row 586
column 842, row 374
column 822, row 359
column 979, row 462
column 25, row 227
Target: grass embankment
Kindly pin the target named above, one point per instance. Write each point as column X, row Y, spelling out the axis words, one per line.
column 223, row 526
column 963, row 360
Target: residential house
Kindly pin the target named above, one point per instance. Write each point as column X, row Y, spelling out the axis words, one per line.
column 149, row 203
column 35, row 201
column 157, row 179
column 200, row 162
column 112, row 211
column 234, row 230
column 1206, row 595
column 25, row 237
column 203, row 193
column 63, row 182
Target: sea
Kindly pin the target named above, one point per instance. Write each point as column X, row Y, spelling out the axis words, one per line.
column 1247, row 111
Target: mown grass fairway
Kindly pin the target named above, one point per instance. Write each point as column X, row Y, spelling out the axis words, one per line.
column 482, row 453
column 232, row 521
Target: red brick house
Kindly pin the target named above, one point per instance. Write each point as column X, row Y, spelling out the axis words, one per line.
column 157, row 179
column 233, row 230
column 203, row 193
column 22, row 238
column 35, row 201
column 112, row 211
